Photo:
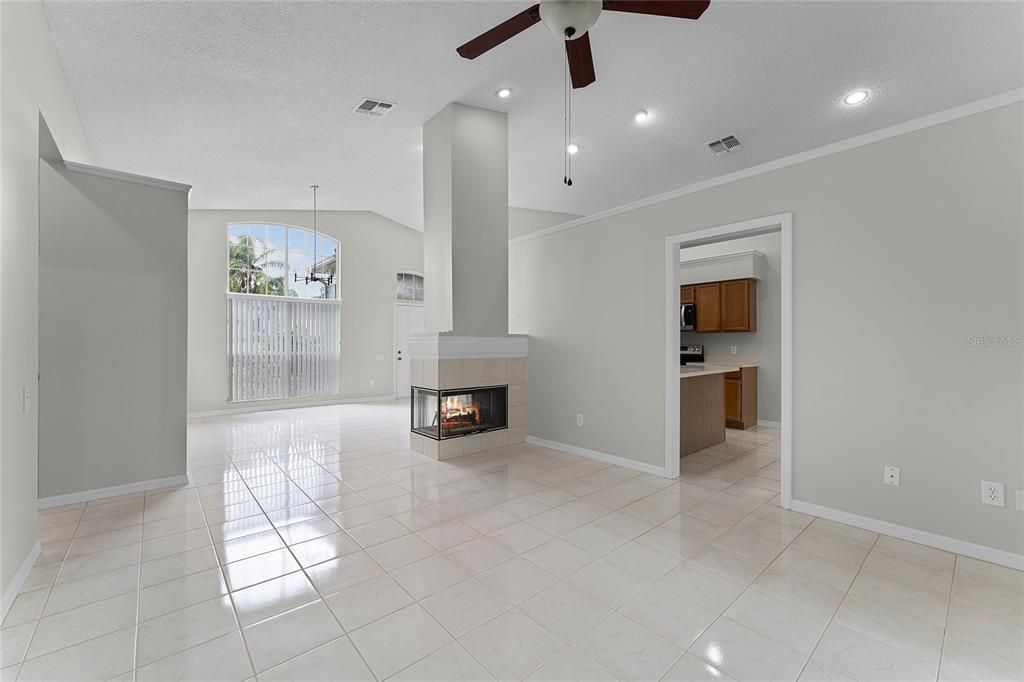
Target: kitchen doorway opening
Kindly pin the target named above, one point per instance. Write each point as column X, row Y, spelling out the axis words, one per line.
column 783, row 225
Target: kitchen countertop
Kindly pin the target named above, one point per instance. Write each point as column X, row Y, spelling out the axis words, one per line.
column 730, row 360
column 694, row 369
column 701, row 369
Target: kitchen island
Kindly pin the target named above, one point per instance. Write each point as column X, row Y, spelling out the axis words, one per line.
column 702, row 404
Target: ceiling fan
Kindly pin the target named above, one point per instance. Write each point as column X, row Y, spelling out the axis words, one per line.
column 570, row 20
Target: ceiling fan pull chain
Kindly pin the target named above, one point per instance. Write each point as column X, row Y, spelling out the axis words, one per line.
column 565, row 125
column 568, row 95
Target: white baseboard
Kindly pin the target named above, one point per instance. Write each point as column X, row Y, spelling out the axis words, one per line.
column 265, row 407
column 969, row 549
column 769, row 424
column 599, row 456
column 112, row 491
column 19, row 579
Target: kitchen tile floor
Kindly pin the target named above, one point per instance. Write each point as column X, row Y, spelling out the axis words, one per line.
column 312, row 544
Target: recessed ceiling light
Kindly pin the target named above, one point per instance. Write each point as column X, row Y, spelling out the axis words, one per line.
column 856, row 97
column 640, row 116
column 504, row 93
column 572, row 148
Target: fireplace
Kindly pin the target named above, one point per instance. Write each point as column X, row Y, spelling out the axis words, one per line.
column 449, row 413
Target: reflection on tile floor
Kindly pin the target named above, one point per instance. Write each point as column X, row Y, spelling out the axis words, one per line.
column 314, row 545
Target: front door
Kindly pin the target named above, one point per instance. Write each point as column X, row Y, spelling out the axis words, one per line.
column 408, row 321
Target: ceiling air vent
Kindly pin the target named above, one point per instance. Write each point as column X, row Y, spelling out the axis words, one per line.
column 373, row 107
column 726, row 144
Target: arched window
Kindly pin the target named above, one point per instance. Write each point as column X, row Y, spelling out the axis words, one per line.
column 285, row 334
column 264, row 259
column 409, row 287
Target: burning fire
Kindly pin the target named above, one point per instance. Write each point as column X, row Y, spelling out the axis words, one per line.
column 459, row 411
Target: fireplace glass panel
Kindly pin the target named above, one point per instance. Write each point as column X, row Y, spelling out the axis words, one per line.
column 424, row 412
column 459, row 412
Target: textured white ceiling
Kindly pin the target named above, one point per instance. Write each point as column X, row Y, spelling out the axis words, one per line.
column 251, row 102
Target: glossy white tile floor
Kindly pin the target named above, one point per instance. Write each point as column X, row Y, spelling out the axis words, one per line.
column 314, row 545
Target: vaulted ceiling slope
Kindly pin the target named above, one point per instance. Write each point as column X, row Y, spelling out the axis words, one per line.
column 251, row 102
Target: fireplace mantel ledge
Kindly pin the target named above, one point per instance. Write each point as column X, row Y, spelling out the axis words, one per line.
column 441, row 347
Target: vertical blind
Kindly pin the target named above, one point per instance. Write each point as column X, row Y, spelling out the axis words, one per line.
column 282, row 347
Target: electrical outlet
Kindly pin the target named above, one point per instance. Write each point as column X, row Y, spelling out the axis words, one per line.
column 891, row 476
column 992, row 493
column 732, row 350
column 26, row 399
column 373, row 382
column 579, row 420
column 1020, row 500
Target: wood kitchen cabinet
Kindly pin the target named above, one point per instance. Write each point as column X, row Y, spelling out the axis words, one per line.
column 729, row 306
column 738, row 305
column 740, row 398
column 709, row 307
column 685, row 294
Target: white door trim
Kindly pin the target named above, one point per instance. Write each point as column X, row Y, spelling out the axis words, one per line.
column 782, row 222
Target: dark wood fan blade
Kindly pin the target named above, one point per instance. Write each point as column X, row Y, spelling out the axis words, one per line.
column 680, row 9
column 581, row 61
column 500, row 33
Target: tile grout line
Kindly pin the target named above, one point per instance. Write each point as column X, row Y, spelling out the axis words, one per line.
column 839, row 605
column 90, row 639
column 475, row 472
column 470, row 576
column 742, row 592
column 573, row 645
column 138, row 588
column 35, row 628
column 418, row 602
column 220, row 566
column 945, row 624
column 302, row 568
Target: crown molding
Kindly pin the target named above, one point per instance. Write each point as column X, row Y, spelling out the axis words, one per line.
column 721, row 257
column 127, row 177
column 910, row 126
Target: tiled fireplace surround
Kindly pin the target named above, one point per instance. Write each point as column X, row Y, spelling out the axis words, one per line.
column 446, row 362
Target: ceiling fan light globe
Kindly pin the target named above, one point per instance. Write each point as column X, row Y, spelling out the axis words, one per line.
column 576, row 15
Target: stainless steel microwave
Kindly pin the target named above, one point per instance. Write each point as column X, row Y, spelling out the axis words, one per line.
column 687, row 317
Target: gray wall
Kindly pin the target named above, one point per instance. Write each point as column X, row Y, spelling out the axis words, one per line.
column 438, row 315
column 465, row 218
column 373, row 249
column 113, row 279
column 904, row 251
column 766, row 343
column 33, row 88
column 526, row 220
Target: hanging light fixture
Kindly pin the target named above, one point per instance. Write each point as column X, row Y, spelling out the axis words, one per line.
column 312, row 275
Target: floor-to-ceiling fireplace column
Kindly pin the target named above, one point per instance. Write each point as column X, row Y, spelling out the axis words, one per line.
column 468, row 372
column 469, row 394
